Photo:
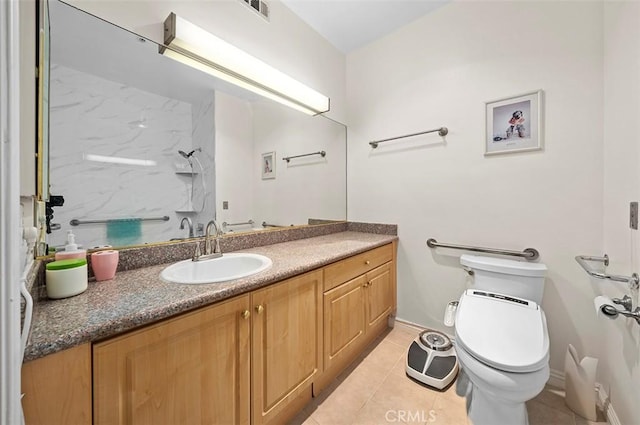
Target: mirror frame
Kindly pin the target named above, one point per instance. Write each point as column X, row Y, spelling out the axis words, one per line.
column 42, row 98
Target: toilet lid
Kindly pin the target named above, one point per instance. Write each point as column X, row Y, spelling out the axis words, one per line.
column 506, row 333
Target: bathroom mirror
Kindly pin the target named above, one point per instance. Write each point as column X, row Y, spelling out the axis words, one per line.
column 139, row 142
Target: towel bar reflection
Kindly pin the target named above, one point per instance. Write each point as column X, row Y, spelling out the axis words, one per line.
column 289, row 158
column 527, row 253
column 442, row 131
column 633, row 280
column 77, row 222
column 225, row 224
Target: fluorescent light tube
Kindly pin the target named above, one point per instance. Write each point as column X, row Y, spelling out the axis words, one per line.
column 119, row 160
column 202, row 50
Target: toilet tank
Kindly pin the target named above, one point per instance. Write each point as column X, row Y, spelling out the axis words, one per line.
column 515, row 278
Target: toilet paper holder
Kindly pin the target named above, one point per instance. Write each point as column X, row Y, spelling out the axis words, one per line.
column 626, row 303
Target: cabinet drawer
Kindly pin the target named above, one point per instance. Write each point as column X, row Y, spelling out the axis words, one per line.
column 344, row 270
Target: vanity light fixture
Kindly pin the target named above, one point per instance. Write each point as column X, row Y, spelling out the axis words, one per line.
column 193, row 46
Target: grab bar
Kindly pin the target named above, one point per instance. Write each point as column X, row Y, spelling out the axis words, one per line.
column 289, row 158
column 633, row 280
column 76, row 222
column 527, row 253
column 225, row 224
column 442, row 131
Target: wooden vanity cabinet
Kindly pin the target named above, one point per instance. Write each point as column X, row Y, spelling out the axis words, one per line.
column 57, row 388
column 193, row 369
column 286, row 346
column 209, row 366
column 356, row 310
column 257, row 358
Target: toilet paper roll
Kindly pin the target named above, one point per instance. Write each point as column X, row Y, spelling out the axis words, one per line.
column 599, row 302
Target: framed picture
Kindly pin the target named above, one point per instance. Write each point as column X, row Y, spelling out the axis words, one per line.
column 268, row 165
column 514, row 124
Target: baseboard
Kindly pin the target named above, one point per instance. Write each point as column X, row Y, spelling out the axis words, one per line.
column 605, row 404
column 407, row 324
column 556, row 379
column 410, row 326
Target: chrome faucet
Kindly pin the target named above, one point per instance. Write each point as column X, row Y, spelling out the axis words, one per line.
column 216, row 251
column 209, row 252
column 189, row 222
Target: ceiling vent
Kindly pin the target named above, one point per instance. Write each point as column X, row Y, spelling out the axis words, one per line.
column 259, row 6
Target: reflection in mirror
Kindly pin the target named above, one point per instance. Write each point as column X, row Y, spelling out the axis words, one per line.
column 140, row 143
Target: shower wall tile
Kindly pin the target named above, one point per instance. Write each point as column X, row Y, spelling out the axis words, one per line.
column 93, row 116
column 203, row 137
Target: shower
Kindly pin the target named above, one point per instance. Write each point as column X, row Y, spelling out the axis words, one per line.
column 190, row 157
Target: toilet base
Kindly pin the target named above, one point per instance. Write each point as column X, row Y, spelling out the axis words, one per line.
column 484, row 409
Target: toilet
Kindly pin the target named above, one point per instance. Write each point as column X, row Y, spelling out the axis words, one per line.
column 501, row 339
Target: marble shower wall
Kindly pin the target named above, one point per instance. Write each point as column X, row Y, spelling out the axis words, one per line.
column 203, row 136
column 94, row 116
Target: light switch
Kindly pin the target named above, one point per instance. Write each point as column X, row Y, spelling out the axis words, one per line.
column 633, row 215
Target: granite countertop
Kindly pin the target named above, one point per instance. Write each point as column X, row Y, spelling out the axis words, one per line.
column 138, row 297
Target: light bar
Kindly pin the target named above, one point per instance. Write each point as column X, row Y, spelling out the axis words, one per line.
column 119, row 160
column 202, row 50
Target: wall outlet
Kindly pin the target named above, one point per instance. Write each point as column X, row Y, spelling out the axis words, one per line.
column 633, row 215
column 225, row 205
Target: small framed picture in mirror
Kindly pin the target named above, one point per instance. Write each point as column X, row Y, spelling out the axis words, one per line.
column 268, row 165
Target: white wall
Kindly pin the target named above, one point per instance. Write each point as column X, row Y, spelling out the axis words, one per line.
column 620, row 363
column 439, row 71
column 234, row 175
column 284, row 42
column 310, row 187
column 306, row 187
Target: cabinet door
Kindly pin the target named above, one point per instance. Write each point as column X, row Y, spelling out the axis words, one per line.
column 57, row 388
column 379, row 297
column 344, row 321
column 193, row 369
column 286, row 343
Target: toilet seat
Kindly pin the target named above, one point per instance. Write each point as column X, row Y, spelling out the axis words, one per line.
column 502, row 332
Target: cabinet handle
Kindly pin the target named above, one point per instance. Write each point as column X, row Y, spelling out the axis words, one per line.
column 367, row 284
column 259, row 308
column 367, row 262
column 245, row 314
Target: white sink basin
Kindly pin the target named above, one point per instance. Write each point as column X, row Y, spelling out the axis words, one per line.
column 228, row 267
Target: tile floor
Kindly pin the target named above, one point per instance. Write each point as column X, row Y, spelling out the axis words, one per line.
column 376, row 391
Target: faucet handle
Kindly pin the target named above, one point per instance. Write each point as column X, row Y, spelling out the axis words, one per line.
column 197, row 252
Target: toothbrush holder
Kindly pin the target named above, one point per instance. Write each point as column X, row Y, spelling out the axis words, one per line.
column 104, row 264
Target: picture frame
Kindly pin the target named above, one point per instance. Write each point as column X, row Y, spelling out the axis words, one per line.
column 268, row 165
column 514, row 124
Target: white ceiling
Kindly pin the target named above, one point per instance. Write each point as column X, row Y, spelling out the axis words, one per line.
column 350, row 24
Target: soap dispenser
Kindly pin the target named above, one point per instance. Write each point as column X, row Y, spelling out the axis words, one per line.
column 71, row 249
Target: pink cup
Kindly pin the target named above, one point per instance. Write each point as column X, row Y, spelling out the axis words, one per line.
column 104, row 264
